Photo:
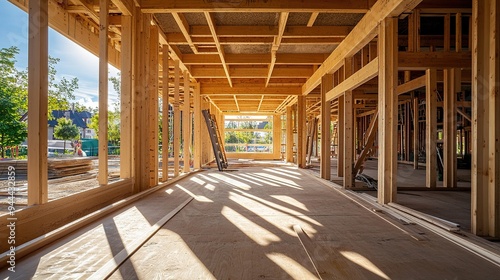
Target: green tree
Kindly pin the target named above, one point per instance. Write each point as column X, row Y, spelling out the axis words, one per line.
column 113, row 126
column 12, row 99
column 66, row 130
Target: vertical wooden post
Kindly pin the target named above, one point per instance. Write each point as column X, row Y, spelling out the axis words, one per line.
column 165, row 136
column 458, row 32
column 152, row 119
column 416, row 132
column 387, row 106
column 126, row 151
column 325, row 167
column 348, row 160
column 276, row 135
column 450, row 129
column 186, row 121
column 447, row 32
column 137, row 101
column 103, row 92
column 37, row 102
column 197, row 127
column 340, row 137
column 430, row 128
column 289, row 134
column 485, row 182
column 177, row 118
column 301, row 132
column 494, row 119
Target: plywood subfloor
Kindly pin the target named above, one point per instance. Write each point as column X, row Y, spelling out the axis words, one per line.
column 240, row 226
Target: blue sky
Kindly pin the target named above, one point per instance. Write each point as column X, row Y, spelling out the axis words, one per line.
column 75, row 61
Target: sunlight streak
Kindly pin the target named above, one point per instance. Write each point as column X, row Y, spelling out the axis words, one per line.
column 197, row 180
column 257, row 233
column 281, row 172
column 291, row 201
column 231, row 181
column 291, row 267
column 363, row 262
column 199, row 198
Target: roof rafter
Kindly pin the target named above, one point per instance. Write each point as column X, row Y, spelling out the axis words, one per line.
column 220, row 50
column 276, row 43
column 184, row 27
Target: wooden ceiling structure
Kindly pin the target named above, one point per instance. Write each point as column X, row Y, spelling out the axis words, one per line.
column 248, row 56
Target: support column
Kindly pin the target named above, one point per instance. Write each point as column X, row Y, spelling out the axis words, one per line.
column 153, row 106
column 289, row 134
column 348, row 161
column 387, row 106
column 301, row 132
column 165, row 141
column 197, row 127
column 430, row 128
column 415, row 132
column 451, row 87
column 485, row 181
column 177, row 118
column 186, row 121
column 340, row 137
column 103, row 93
column 325, row 167
column 37, row 102
column 127, row 58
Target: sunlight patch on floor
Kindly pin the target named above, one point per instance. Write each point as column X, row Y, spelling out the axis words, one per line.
column 258, row 234
column 364, row 263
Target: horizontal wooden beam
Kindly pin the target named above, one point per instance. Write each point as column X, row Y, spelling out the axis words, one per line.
column 179, row 39
column 160, row 6
column 365, row 74
column 271, row 31
column 362, row 34
column 254, row 59
column 425, row 60
column 248, row 89
column 251, row 72
column 411, row 85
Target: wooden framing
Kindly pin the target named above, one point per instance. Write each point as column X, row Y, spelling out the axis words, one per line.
column 485, row 185
column 348, row 127
column 38, row 87
column 165, row 135
column 361, row 35
column 325, row 167
column 127, row 70
column 301, row 131
column 186, row 123
column 387, row 114
column 177, row 118
column 197, row 158
column 430, row 129
column 289, row 134
column 153, row 96
column 340, row 136
column 103, row 93
column 451, row 87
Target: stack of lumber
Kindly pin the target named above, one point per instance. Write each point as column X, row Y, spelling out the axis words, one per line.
column 68, row 166
column 58, row 167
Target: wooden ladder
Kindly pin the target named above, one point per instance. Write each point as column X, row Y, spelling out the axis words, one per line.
column 215, row 138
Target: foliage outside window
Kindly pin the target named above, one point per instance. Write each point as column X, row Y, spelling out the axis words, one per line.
column 248, row 134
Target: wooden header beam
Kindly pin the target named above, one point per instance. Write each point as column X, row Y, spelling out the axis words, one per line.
column 248, row 89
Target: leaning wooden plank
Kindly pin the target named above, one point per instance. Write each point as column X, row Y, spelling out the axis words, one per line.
column 113, row 264
column 372, row 132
